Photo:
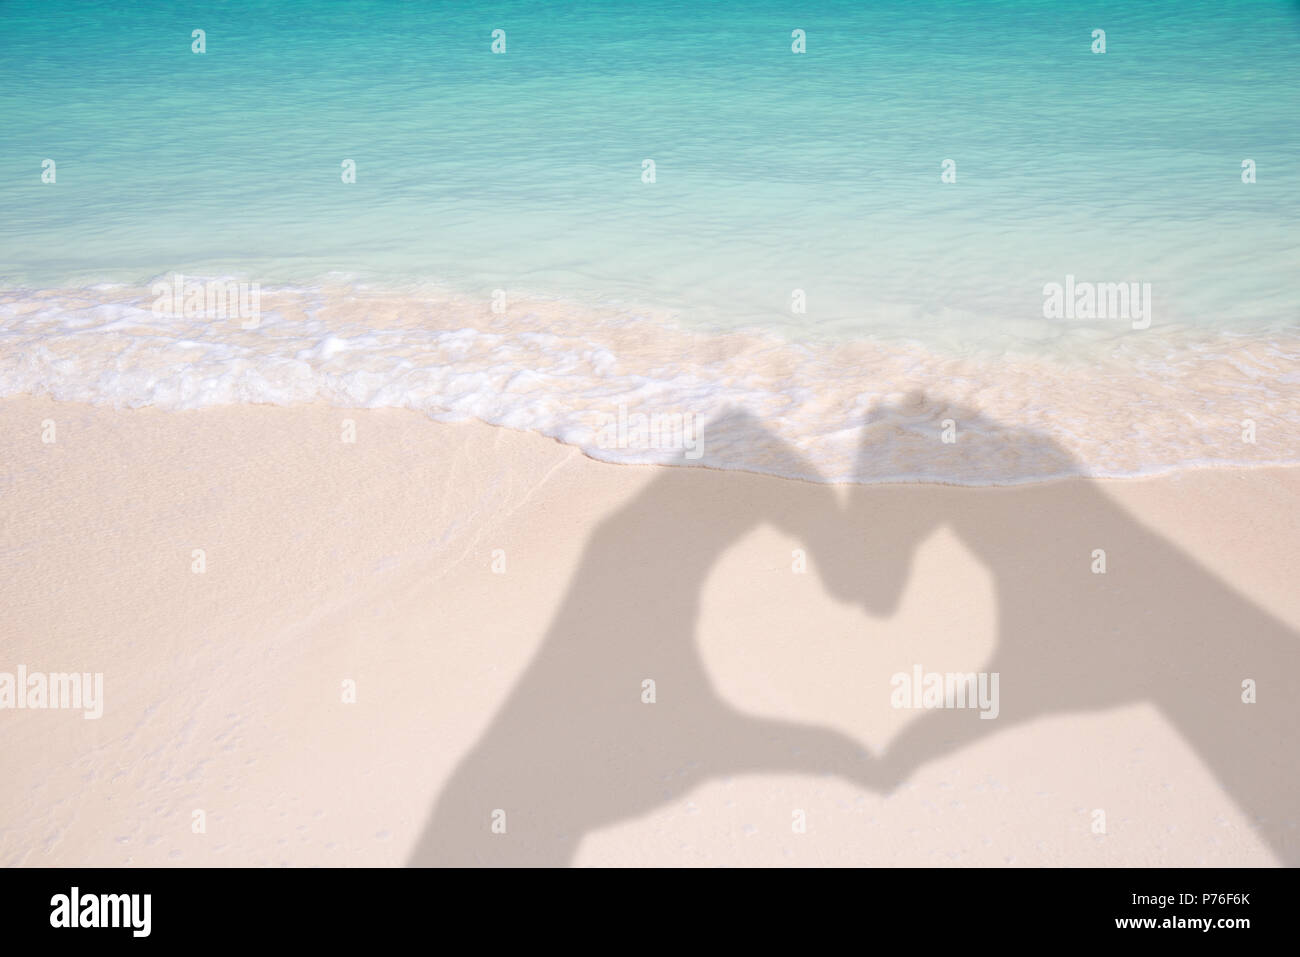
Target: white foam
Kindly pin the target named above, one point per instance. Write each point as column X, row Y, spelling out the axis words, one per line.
column 1112, row 405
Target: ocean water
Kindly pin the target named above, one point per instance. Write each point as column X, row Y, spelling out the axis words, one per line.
column 798, row 256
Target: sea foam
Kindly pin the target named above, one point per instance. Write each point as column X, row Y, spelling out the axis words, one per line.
column 1123, row 403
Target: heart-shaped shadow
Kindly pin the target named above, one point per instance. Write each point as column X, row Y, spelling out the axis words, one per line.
column 622, row 710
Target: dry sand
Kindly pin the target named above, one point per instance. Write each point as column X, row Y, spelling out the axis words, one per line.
column 521, row 690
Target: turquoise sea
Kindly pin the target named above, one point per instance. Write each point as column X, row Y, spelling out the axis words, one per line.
column 798, row 253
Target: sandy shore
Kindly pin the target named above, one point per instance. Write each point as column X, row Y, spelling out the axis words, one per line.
column 497, row 601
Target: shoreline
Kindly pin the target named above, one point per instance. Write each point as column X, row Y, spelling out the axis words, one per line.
column 1163, row 472
column 1084, row 400
column 373, row 562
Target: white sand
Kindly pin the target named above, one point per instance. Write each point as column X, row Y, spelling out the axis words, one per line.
column 372, row 562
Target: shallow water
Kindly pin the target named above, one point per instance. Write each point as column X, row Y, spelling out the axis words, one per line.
column 774, row 173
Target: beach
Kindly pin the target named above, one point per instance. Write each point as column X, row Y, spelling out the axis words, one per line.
column 309, row 645
column 653, row 435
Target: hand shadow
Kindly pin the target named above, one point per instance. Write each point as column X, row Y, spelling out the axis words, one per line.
column 574, row 748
